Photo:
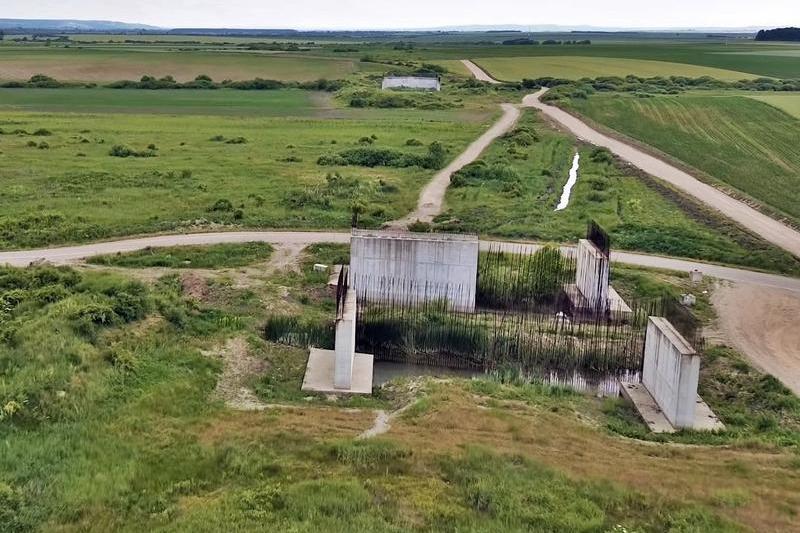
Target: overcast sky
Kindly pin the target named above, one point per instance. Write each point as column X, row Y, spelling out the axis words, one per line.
column 414, row 13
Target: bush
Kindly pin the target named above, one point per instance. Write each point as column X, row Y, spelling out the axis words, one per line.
column 120, row 150
column 236, row 140
column 386, row 157
column 221, row 205
column 601, row 155
column 480, row 171
column 41, row 132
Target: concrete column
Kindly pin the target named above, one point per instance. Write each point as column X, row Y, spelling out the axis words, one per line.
column 591, row 276
column 671, row 372
column 345, row 347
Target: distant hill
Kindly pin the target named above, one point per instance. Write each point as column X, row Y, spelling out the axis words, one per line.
column 779, row 34
column 70, row 25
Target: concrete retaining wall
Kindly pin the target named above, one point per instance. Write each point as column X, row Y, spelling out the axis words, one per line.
column 345, row 348
column 671, row 372
column 411, row 267
column 591, row 276
column 411, row 82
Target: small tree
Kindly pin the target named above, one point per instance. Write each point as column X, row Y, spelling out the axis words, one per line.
column 357, row 208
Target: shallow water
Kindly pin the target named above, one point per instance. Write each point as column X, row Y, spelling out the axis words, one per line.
column 599, row 384
column 571, row 181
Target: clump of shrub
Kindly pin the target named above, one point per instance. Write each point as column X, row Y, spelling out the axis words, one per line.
column 236, row 140
column 221, row 205
column 386, row 157
column 601, row 155
column 480, row 171
column 42, row 132
column 120, row 150
column 522, row 136
column 43, row 146
column 414, row 142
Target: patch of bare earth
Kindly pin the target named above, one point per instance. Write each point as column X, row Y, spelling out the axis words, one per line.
column 764, row 325
column 194, row 286
column 239, row 367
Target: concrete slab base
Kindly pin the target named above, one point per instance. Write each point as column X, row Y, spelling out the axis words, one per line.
column 648, row 409
column 619, row 309
column 319, row 373
column 333, row 279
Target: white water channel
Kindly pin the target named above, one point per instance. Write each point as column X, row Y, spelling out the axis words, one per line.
column 573, row 178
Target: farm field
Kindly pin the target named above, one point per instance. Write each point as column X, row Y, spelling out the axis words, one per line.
column 736, row 141
column 575, row 67
column 756, row 59
column 134, row 422
column 785, row 102
column 203, row 171
column 288, row 102
column 514, row 192
column 106, row 65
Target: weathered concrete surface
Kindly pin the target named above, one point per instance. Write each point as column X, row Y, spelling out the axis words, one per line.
column 320, row 369
column 671, row 372
column 388, row 265
column 653, row 416
column 591, row 275
column 411, row 82
column 345, row 342
column 768, row 228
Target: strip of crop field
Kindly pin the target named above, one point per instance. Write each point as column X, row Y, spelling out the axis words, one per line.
column 517, row 68
column 739, row 141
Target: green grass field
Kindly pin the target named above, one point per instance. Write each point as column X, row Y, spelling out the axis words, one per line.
column 785, row 102
column 111, row 418
column 517, row 199
column 128, row 63
column 289, row 102
column 738, row 141
column 244, row 170
column 576, row 67
column 756, row 59
column 227, row 255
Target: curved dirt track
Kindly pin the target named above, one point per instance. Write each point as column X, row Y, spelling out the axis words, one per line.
column 478, row 72
column 74, row 254
column 768, row 228
column 431, row 198
column 766, row 332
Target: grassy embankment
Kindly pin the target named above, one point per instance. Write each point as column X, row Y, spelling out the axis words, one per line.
column 213, row 256
column 735, row 141
column 112, row 419
column 513, row 193
column 250, row 169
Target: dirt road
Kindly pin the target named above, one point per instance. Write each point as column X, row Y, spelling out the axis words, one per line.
column 478, row 72
column 431, row 199
column 768, row 228
column 292, row 239
column 764, row 325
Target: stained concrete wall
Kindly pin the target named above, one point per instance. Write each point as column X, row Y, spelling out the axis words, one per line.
column 411, row 82
column 591, row 275
column 671, row 372
column 345, row 346
column 414, row 267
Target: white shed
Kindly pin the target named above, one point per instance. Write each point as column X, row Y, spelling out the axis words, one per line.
column 411, row 82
